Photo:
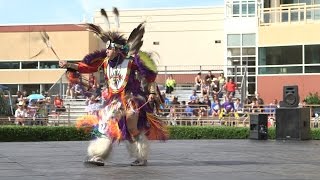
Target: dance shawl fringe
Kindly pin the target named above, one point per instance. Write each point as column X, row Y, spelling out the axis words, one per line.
column 157, row 130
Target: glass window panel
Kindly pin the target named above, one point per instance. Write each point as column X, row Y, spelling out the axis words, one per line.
column 251, row 88
column 312, row 69
column 248, row 39
column 251, row 70
column 250, row 61
column 316, row 1
column 308, row 2
column 233, row 61
column 317, row 14
column 9, row 65
column 284, row 17
column 280, row 70
column 248, row 51
column 280, row 55
column 312, row 54
column 251, row 79
column 29, row 65
column 244, row 9
column 31, row 88
column 236, row 9
column 233, row 52
column 251, row 8
column 294, row 15
column 48, row 65
column 233, row 39
column 13, row 88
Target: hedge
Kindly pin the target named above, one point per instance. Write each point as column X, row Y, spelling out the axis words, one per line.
column 47, row 133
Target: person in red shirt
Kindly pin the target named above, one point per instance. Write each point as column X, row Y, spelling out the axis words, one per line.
column 58, row 104
column 230, row 87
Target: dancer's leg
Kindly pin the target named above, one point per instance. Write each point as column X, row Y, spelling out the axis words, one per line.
column 99, row 150
column 139, row 149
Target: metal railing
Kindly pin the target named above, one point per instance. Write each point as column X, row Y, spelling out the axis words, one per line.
column 240, row 118
column 289, row 13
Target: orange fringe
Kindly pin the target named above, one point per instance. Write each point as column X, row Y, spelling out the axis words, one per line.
column 87, row 122
column 114, row 130
column 158, row 130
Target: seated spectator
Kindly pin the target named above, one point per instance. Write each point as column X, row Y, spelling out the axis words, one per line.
column 228, row 106
column 188, row 110
column 69, row 91
column 47, row 102
column 58, row 104
column 215, row 108
column 238, row 107
column 77, row 91
column 198, row 82
column 254, row 106
column 215, row 89
column 19, row 97
column 194, row 96
column 209, row 77
column 221, row 80
column 259, row 99
column 25, row 98
column 93, row 105
column 32, row 112
column 272, row 107
column 20, row 114
column 230, row 87
column 205, row 88
column 170, row 84
column 206, row 101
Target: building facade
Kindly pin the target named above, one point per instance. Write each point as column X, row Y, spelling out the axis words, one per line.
column 187, row 40
column 181, row 36
column 19, row 43
column 289, row 48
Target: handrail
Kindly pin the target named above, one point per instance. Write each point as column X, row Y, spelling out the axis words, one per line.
column 288, row 13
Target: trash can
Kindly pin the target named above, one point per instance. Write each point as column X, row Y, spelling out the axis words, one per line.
column 258, row 126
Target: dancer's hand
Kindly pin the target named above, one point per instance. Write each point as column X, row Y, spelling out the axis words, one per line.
column 62, row 64
column 151, row 97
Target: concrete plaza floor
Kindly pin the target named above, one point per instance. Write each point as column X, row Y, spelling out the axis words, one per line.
column 175, row 159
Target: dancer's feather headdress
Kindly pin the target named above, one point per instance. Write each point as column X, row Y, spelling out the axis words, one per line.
column 114, row 38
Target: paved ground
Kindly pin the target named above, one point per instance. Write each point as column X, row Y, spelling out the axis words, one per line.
column 185, row 159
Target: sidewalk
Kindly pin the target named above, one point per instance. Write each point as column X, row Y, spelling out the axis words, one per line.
column 184, row 159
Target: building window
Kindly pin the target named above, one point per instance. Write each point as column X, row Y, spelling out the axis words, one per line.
column 280, row 55
column 248, row 40
column 217, row 41
column 156, row 43
column 31, row 88
column 9, row 65
column 312, row 54
column 312, row 69
column 233, row 40
column 49, row 65
column 29, row 64
column 243, row 8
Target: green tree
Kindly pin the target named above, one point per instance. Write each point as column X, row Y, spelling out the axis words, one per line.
column 4, row 105
column 312, row 98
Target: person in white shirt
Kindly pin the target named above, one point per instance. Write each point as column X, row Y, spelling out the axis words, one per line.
column 20, row 114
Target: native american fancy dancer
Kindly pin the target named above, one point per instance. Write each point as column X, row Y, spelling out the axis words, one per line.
column 130, row 78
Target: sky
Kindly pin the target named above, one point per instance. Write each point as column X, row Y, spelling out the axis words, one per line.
column 73, row 11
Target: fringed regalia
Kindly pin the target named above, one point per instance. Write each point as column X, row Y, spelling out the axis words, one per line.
column 126, row 113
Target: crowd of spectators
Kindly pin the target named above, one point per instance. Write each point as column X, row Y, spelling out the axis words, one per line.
column 213, row 97
column 31, row 111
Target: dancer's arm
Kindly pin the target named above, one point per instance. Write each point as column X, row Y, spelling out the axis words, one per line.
column 90, row 63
